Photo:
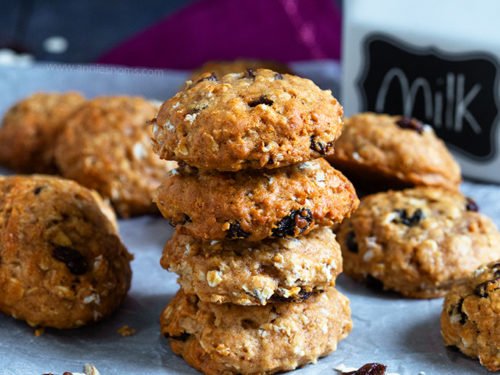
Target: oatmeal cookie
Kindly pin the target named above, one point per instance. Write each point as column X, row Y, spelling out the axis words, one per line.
column 249, row 273
column 470, row 319
column 221, row 68
column 62, row 262
column 251, row 120
column 253, row 205
column 233, row 339
column 378, row 152
column 418, row 242
column 105, row 146
column 29, row 130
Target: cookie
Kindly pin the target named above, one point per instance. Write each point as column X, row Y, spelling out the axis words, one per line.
column 62, row 262
column 470, row 319
column 253, row 205
column 29, row 130
column 251, row 120
column 221, row 68
column 418, row 242
column 378, row 152
column 249, row 273
column 233, row 339
column 105, row 146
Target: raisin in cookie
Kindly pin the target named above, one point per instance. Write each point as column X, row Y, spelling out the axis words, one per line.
column 418, row 242
column 105, row 146
column 62, row 262
column 249, row 273
column 233, row 339
column 470, row 319
column 252, row 205
column 257, row 119
column 379, row 152
column 221, row 68
column 29, row 130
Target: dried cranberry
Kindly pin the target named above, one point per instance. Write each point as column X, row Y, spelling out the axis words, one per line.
column 351, row 243
column 297, row 222
column 301, row 296
column 481, row 290
column 496, row 270
column 320, row 147
column 76, row 262
column 471, row 205
column 369, row 369
column 212, row 77
column 410, row 123
column 183, row 337
column 407, row 220
column 250, row 73
column 235, row 232
column 261, row 100
column 463, row 315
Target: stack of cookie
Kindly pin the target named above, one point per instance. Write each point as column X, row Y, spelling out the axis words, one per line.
column 419, row 241
column 253, row 204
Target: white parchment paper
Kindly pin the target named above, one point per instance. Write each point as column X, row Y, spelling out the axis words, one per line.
column 401, row 333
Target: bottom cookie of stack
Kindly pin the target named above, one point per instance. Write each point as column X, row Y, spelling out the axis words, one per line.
column 229, row 339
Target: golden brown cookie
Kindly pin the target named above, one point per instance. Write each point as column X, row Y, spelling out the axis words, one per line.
column 257, row 119
column 221, row 68
column 379, row 152
column 105, row 146
column 62, row 262
column 253, row 205
column 470, row 319
column 29, row 130
column 418, row 242
column 250, row 273
column 233, row 339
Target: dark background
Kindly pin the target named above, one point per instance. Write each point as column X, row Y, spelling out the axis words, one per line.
column 91, row 27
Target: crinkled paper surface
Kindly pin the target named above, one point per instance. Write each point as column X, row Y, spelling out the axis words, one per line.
column 401, row 333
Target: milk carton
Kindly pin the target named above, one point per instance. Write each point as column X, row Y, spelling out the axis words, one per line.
column 436, row 60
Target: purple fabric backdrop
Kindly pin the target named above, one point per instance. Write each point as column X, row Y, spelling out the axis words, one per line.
column 282, row 30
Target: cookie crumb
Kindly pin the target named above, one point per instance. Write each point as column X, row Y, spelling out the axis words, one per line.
column 39, row 331
column 126, row 331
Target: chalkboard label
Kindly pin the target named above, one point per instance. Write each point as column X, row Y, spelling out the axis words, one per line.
column 455, row 93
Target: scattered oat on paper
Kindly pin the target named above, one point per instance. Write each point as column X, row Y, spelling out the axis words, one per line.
column 126, row 331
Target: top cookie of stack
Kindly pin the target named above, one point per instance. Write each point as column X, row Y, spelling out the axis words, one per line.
column 253, row 120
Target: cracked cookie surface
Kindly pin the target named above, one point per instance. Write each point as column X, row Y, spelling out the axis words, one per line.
column 379, row 152
column 470, row 319
column 249, row 273
column 418, row 242
column 251, row 120
column 105, row 146
column 62, row 262
column 233, row 339
column 285, row 202
column 29, row 130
